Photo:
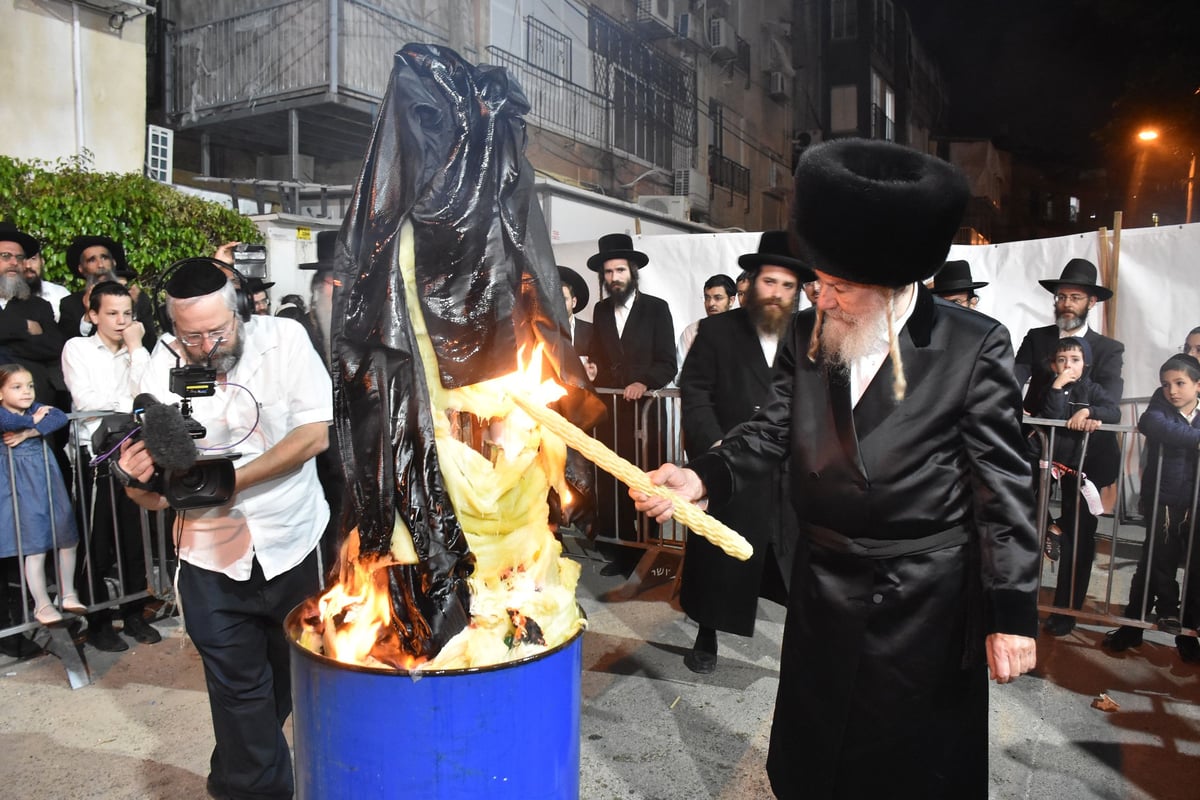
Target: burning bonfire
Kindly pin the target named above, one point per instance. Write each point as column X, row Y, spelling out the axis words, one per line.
column 448, row 314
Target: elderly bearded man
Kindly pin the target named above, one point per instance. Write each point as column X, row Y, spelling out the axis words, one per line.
column 919, row 562
column 248, row 563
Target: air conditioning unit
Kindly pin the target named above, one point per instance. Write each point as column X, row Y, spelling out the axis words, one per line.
column 670, row 205
column 691, row 30
column 777, row 86
column 656, row 18
column 722, row 38
column 693, row 184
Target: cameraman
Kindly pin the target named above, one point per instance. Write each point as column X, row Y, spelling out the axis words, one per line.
column 245, row 565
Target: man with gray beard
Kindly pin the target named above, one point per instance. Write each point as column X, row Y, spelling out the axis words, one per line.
column 917, row 565
column 1076, row 293
column 29, row 335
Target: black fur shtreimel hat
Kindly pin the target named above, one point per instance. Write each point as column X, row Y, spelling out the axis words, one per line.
column 874, row 212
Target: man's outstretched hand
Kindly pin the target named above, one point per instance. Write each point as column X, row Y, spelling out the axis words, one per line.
column 683, row 482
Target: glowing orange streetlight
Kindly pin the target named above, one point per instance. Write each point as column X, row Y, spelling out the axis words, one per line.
column 1147, row 134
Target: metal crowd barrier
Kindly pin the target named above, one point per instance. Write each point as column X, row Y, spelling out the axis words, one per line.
column 657, row 433
column 1121, row 533
column 103, row 591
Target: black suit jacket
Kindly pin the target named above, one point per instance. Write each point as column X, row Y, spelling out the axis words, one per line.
column 948, row 459
column 582, row 341
column 644, row 353
column 40, row 353
column 725, row 379
column 1037, row 351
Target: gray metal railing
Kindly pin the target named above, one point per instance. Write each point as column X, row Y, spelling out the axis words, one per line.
column 557, row 104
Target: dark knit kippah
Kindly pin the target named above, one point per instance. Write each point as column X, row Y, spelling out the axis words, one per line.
column 195, row 279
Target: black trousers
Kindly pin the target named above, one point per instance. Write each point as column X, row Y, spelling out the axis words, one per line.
column 615, row 512
column 1170, row 536
column 237, row 626
column 115, row 525
column 1072, row 587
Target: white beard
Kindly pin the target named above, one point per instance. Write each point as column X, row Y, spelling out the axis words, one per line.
column 846, row 338
column 13, row 287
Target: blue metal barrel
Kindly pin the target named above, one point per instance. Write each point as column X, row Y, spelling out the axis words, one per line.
column 507, row 731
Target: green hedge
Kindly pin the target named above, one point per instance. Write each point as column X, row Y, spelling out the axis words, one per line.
column 156, row 224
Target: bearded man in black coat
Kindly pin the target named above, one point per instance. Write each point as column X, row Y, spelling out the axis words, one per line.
column 726, row 378
column 901, row 416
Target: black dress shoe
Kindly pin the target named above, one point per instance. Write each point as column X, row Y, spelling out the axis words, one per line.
column 1189, row 649
column 19, row 646
column 700, row 661
column 614, row 568
column 141, row 630
column 1059, row 624
column 103, row 637
column 1122, row 638
column 1169, row 624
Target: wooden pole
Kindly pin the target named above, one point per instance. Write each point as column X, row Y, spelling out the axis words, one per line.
column 1110, row 308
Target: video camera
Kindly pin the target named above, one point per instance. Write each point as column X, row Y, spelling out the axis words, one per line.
column 184, row 475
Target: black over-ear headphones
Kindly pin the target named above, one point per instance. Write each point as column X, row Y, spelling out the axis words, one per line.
column 245, row 305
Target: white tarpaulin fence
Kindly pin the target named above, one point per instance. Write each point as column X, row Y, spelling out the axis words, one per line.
column 1158, row 296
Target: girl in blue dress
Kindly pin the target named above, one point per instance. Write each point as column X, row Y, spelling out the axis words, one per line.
column 34, row 500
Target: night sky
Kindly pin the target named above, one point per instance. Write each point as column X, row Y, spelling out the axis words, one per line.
column 1055, row 78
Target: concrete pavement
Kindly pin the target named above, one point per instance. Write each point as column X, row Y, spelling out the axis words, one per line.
column 651, row 730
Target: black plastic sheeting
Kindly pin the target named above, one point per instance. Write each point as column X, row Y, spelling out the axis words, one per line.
column 447, row 153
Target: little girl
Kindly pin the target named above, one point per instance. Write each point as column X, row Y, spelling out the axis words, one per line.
column 1171, row 426
column 33, row 487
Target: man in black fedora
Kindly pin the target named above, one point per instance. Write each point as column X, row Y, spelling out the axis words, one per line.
column 29, row 335
column 320, row 306
column 1076, row 292
column 260, row 296
column 918, row 561
column 94, row 258
column 953, row 282
column 726, row 377
column 633, row 346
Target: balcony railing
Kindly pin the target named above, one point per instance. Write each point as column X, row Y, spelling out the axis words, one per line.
column 557, row 104
column 728, row 173
column 282, row 51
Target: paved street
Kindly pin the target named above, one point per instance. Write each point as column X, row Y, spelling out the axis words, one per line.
column 651, row 730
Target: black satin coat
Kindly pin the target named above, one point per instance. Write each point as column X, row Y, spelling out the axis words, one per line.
column 447, row 156
column 725, row 379
column 881, row 680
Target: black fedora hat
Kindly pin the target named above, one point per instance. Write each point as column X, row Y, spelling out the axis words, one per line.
column 616, row 245
column 255, row 285
column 1082, row 273
column 9, row 233
column 775, row 249
column 578, row 286
column 81, row 243
column 954, row 277
column 326, row 249
column 874, row 212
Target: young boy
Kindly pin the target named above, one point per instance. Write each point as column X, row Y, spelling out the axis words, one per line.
column 1084, row 405
column 1172, row 428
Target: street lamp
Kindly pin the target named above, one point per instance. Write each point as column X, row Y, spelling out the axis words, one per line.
column 1148, row 135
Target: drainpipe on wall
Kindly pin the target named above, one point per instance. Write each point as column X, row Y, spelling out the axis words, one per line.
column 77, row 63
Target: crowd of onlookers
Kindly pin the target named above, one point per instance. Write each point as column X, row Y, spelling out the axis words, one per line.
column 83, row 351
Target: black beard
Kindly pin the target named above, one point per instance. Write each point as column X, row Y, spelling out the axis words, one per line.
column 13, row 287
column 35, row 285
